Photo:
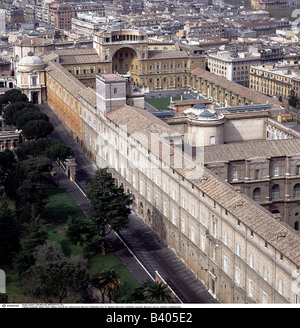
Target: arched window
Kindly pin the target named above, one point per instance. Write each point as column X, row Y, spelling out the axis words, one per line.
column 256, row 194
column 297, row 190
column 275, row 192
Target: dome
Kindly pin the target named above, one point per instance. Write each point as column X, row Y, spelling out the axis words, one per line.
column 199, row 105
column 203, row 113
column 207, row 113
column 31, row 61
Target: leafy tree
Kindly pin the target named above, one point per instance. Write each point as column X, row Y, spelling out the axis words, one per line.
column 58, row 151
column 108, row 282
column 37, row 129
column 7, row 162
column 56, row 281
column 157, row 292
column 51, row 148
column 48, row 252
column 12, row 96
column 9, row 233
column 31, row 192
column 29, row 114
column 12, row 111
column 293, row 99
column 57, row 34
column 14, row 180
column 110, row 208
column 34, row 236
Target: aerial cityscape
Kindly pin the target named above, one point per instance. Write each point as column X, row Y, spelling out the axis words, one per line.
column 149, row 152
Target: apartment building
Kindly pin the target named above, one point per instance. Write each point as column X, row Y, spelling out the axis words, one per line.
column 205, row 29
column 234, row 66
column 87, row 24
column 60, row 15
column 274, row 80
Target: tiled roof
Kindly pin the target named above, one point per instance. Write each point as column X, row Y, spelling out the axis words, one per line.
column 65, row 78
column 89, row 95
column 34, row 41
column 139, row 120
column 77, row 56
column 238, row 89
column 251, row 150
column 171, row 54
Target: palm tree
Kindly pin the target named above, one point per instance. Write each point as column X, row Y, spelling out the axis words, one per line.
column 109, row 283
column 157, row 292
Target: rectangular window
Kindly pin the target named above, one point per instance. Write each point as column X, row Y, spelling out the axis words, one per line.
column 276, row 171
column 165, row 209
column 212, row 140
column 174, row 217
column 225, row 264
column 251, row 287
column 214, row 229
column 214, row 253
column 115, row 91
column 141, row 188
column 238, row 276
column 280, row 286
column 193, row 232
column 156, row 201
column 182, row 225
column 256, row 174
column 265, row 298
column 203, row 219
column 193, row 211
column 237, row 249
column 225, row 238
column 182, row 201
column 165, row 186
column 265, row 273
column 234, row 175
column 173, row 194
column 251, row 261
column 133, row 180
column 149, row 194
column 203, row 243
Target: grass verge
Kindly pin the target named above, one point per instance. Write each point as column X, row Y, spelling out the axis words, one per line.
column 59, row 208
column 161, row 103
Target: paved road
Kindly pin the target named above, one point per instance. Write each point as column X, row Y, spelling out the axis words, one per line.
column 140, row 240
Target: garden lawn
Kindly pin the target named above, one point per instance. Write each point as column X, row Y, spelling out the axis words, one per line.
column 59, row 208
column 57, row 211
column 161, row 103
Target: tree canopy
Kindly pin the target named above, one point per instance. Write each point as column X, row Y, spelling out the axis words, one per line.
column 110, row 208
column 34, row 236
column 37, row 129
column 9, row 233
column 12, row 96
column 55, row 277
